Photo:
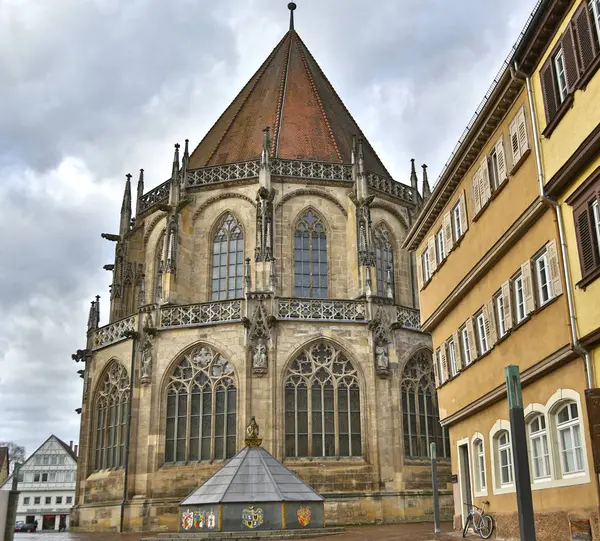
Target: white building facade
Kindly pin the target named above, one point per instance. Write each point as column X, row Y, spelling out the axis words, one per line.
column 47, row 485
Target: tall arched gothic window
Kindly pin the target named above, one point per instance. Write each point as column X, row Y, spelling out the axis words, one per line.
column 201, row 408
column 322, row 404
column 384, row 260
column 228, row 260
column 310, row 257
column 111, row 418
column 419, row 409
column 159, row 267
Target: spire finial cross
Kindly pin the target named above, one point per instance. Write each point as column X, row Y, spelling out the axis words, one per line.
column 292, row 6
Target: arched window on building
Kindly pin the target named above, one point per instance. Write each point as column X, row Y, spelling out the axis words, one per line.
column 228, row 260
column 310, row 258
column 322, row 404
column 420, row 411
column 112, row 404
column 201, row 408
column 159, row 267
column 384, row 260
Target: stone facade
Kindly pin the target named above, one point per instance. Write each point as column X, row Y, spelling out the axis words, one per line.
column 163, row 309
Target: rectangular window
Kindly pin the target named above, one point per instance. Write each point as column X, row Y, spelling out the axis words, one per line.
column 36, row 477
column 26, row 500
column 482, row 334
column 38, row 460
column 543, row 279
column 519, row 298
column 540, row 454
column 452, row 355
column 69, row 499
column 46, row 460
column 61, row 460
column 505, row 459
column 52, row 477
column 494, row 169
column 500, row 316
column 426, row 266
column 58, row 499
column 457, row 219
column 466, row 346
column 36, row 500
column 48, row 500
column 441, row 247
column 561, row 76
column 44, row 477
column 54, row 460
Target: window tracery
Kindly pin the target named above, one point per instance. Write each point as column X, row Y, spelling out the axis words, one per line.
column 228, row 260
column 310, row 258
column 201, row 408
column 322, row 404
column 419, row 409
column 111, row 418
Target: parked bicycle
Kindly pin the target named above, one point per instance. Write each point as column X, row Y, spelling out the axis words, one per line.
column 482, row 524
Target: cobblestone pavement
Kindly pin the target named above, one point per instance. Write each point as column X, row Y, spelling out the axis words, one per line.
column 394, row 532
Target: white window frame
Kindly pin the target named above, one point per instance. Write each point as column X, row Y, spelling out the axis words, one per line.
column 561, row 75
column 539, row 434
column 452, row 358
column 499, row 307
column 464, row 338
column 596, row 214
column 505, row 450
column 573, row 427
column 544, row 280
column 426, row 266
column 441, row 247
column 26, row 500
column 482, row 335
column 457, row 221
column 595, row 7
column 494, row 170
column 519, row 298
column 479, row 474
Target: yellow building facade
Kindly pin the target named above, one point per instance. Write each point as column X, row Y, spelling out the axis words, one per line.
column 507, row 271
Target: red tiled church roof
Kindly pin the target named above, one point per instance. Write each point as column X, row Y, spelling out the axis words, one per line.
column 291, row 95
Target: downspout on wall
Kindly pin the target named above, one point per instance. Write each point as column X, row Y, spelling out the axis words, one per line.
column 577, row 347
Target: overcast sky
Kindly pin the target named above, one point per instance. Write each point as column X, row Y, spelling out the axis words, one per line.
column 93, row 89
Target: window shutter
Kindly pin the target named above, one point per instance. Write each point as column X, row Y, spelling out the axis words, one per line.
column 514, row 141
column 585, row 39
column 432, row 255
column 419, row 265
column 493, row 334
column 553, row 262
column 585, row 239
column 487, row 323
column 500, row 156
column 448, row 239
column 444, row 361
column 507, row 304
column 592, row 402
column 522, row 132
column 549, row 90
column 457, row 352
column 571, row 68
column 436, row 371
column 526, row 273
column 472, row 341
column 486, row 190
column 463, row 213
column 476, row 191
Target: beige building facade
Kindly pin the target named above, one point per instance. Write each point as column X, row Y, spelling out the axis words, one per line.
column 495, row 291
column 265, row 278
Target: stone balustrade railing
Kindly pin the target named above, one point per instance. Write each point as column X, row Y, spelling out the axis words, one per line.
column 201, row 314
column 114, row 332
column 160, row 194
column 410, row 318
column 321, row 309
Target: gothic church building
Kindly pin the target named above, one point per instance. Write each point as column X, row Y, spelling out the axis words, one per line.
column 264, row 278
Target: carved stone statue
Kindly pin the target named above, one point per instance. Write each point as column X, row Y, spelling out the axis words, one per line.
column 381, row 358
column 146, row 368
column 260, row 355
column 252, row 439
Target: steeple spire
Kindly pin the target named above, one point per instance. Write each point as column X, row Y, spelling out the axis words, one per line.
column 140, row 191
column 292, row 7
column 413, row 180
column 426, row 188
column 126, row 208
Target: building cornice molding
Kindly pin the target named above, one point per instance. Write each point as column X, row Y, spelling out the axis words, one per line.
column 498, row 250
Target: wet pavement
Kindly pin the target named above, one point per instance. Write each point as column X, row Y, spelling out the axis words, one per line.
column 391, row 532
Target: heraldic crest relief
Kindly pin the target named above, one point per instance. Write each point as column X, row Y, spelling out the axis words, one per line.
column 252, row 518
column 304, row 516
column 187, row 519
column 198, row 520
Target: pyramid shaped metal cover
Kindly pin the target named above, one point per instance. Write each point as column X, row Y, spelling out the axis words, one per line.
column 253, row 475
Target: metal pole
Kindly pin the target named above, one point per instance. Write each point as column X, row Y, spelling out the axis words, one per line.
column 13, row 503
column 434, row 483
column 519, row 450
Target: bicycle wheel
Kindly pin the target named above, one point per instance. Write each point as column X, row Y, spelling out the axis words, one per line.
column 466, row 528
column 486, row 526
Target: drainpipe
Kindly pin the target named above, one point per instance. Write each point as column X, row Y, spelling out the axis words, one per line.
column 134, row 336
column 577, row 347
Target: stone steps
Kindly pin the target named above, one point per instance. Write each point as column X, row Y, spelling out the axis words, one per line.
column 245, row 536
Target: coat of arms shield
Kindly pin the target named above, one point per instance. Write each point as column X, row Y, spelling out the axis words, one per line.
column 199, row 519
column 211, row 520
column 252, row 518
column 303, row 516
column 187, row 519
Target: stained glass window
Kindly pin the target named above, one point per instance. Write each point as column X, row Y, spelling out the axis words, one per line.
column 228, row 260
column 310, row 258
